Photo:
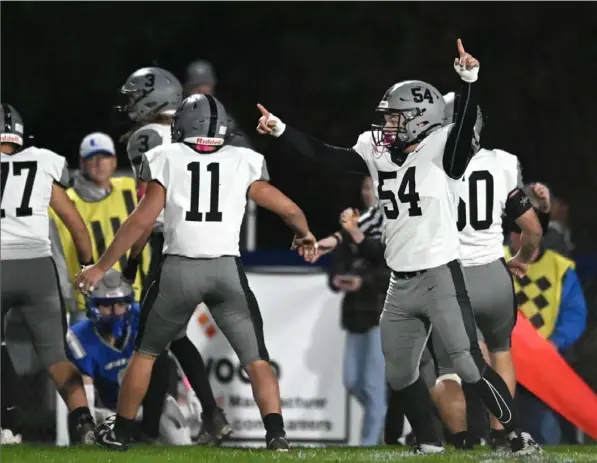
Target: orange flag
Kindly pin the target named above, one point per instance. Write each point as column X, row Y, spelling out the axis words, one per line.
column 541, row 369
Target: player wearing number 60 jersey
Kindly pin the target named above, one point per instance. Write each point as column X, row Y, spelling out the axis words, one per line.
column 491, row 187
column 33, row 179
column 202, row 184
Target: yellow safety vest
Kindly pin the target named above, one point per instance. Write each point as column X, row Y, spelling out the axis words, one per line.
column 538, row 293
column 103, row 219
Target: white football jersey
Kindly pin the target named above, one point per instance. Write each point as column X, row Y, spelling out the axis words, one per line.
column 419, row 202
column 206, row 196
column 489, row 178
column 142, row 140
column 27, row 179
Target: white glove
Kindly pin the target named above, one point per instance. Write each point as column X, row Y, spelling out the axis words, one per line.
column 174, row 428
column 269, row 124
column 194, row 406
column 468, row 75
column 466, row 65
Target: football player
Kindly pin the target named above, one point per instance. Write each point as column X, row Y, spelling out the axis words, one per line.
column 491, row 188
column 153, row 94
column 417, row 164
column 201, row 78
column 202, row 184
column 32, row 180
column 104, row 202
column 101, row 347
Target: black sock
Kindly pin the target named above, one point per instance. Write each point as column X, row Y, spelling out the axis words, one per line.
column 193, row 367
column 9, row 391
column 394, row 424
column 498, row 400
column 458, row 440
column 274, row 425
column 153, row 402
column 477, row 421
column 124, row 428
column 498, row 438
column 80, row 415
column 418, row 410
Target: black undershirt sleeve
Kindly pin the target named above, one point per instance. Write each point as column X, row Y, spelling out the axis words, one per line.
column 344, row 159
column 458, row 150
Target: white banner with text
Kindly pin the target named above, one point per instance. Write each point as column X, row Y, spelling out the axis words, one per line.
column 301, row 319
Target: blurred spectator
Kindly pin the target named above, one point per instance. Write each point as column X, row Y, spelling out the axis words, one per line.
column 550, row 296
column 104, row 203
column 364, row 285
column 558, row 236
column 201, row 78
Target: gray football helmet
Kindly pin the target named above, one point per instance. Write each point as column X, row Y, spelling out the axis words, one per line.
column 450, row 99
column 420, row 109
column 202, row 121
column 200, row 72
column 111, row 289
column 11, row 128
column 149, row 92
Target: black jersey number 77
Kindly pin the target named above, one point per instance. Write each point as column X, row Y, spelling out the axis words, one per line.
column 407, row 193
column 25, row 209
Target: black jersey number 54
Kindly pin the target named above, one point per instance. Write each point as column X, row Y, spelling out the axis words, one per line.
column 407, row 193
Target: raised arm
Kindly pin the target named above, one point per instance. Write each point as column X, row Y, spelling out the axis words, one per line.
column 458, row 150
column 343, row 159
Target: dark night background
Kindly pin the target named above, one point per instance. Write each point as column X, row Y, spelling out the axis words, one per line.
column 321, row 67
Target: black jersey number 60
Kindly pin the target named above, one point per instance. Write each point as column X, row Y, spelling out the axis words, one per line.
column 473, row 210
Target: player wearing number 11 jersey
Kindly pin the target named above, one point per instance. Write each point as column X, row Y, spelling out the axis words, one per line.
column 202, row 184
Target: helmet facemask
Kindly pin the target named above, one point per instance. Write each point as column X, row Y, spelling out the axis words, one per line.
column 111, row 315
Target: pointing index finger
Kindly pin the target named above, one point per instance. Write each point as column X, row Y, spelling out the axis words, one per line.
column 461, row 51
column 264, row 112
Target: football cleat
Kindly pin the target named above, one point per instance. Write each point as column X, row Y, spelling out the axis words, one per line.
column 523, row 444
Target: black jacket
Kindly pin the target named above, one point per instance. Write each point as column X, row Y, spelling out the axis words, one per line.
column 360, row 309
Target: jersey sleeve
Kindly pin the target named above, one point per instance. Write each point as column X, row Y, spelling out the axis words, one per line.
column 76, row 353
column 140, row 143
column 153, row 167
column 58, row 169
column 258, row 169
column 512, row 170
column 364, row 145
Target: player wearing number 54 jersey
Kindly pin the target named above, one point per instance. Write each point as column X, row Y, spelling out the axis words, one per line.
column 33, row 179
column 202, row 184
column 416, row 164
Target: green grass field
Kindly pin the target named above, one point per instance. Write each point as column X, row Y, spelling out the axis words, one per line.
column 31, row 454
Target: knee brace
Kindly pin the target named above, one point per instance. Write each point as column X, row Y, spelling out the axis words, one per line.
column 449, row 377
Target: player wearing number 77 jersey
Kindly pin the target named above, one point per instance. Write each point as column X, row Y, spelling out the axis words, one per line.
column 416, row 164
column 491, row 187
column 32, row 180
column 202, row 184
